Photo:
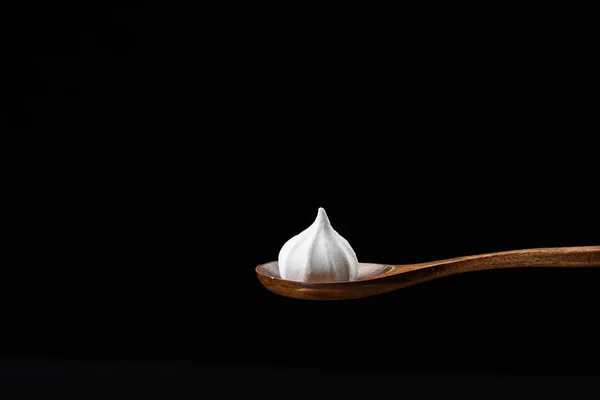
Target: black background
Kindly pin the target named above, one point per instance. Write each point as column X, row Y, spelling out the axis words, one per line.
column 162, row 153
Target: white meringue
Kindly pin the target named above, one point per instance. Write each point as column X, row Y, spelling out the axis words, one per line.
column 318, row 254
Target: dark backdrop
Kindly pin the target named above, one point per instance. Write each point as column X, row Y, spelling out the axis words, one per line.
column 163, row 153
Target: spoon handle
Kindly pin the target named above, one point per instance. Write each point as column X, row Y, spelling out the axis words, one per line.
column 579, row 256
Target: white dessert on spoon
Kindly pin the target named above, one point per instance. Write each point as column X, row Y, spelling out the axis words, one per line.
column 318, row 254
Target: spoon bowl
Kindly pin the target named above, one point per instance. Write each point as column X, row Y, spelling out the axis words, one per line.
column 375, row 279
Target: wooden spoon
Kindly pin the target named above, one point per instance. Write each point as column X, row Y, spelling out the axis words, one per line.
column 381, row 278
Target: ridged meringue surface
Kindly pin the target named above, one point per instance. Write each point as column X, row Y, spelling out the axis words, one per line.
column 318, row 254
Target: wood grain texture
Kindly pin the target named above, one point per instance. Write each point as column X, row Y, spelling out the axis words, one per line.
column 381, row 278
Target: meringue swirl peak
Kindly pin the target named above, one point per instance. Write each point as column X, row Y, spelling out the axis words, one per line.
column 318, row 254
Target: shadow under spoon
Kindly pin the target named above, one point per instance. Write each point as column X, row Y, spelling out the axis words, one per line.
column 375, row 279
